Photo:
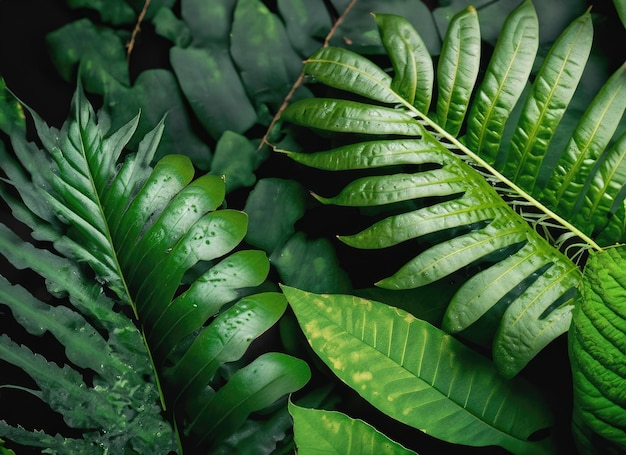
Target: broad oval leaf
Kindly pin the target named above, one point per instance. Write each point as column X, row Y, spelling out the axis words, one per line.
column 417, row 374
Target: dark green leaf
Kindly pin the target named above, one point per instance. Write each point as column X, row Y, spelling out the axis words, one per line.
column 257, row 385
column 267, row 63
column 213, row 88
column 99, row 51
column 273, row 207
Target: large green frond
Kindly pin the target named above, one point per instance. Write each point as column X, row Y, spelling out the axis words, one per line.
column 161, row 241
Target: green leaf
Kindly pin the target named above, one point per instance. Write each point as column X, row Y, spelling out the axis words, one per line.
column 593, row 133
column 222, row 283
column 413, row 68
column 545, row 105
column 503, row 82
column 332, row 432
column 99, row 51
column 12, row 118
column 259, row 45
column 236, row 158
column 226, row 339
column 157, row 95
column 457, row 69
column 597, row 347
column 306, row 24
column 255, row 386
column 417, row 374
column 620, row 6
column 359, row 30
column 273, row 207
column 117, row 12
column 605, row 189
column 212, row 86
column 350, row 117
column 346, row 70
column 311, row 264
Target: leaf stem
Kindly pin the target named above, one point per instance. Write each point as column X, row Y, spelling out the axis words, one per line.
column 490, row 169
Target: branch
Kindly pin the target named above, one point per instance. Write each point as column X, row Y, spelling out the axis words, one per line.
column 131, row 44
column 300, row 79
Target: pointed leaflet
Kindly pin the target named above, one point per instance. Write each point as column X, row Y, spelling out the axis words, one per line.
column 413, row 68
column 605, row 190
column 457, row 69
column 252, row 388
column 545, row 105
column 351, row 117
column 417, row 374
column 222, row 283
column 593, row 133
column 597, row 347
column 347, row 70
column 331, row 432
column 226, row 339
column 503, row 82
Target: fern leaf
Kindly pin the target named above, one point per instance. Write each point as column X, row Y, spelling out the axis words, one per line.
column 503, row 82
column 413, row 68
column 565, row 189
column 473, row 205
column 536, row 300
column 547, row 101
column 458, row 69
column 142, row 231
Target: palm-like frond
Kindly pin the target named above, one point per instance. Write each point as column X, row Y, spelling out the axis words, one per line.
column 522, row 277
column 160, row 242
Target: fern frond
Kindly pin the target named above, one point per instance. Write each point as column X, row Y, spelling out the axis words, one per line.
column 141, row 230
column 531, row 283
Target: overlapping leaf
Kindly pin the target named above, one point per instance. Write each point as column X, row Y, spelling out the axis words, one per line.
column 418, row 374
column 515, row 272
column 159, row 240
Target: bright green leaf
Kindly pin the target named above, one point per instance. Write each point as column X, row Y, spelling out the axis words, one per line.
column 503, row 82
column 417, row 374
column 413, row 68
column 457, row 69
column 331, row 432
column 597, row 347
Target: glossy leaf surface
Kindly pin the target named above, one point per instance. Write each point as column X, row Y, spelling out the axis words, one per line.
column 503, row 82
column 597, row 348
column 317, row 431
column 416, row 373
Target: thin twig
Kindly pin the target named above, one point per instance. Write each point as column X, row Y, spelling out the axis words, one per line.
column 131, row 44
column 300, row 79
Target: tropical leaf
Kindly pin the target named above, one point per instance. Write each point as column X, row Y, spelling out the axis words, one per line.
column 159, row 239
column 419, row 375
column 317, row 431
column 514, row 273
column 597, row 351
